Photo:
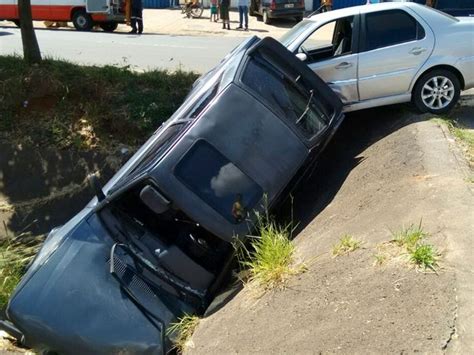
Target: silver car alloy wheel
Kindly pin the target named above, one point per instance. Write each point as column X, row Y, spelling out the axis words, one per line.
column 438, row 92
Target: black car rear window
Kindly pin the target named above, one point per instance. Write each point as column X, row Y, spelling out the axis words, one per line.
column 293, row 101
column 387, row 28
column 218, row 182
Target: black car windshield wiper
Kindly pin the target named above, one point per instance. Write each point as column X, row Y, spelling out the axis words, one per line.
column 307, row 107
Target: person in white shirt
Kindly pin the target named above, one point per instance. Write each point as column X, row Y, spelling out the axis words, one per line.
column 244, row 14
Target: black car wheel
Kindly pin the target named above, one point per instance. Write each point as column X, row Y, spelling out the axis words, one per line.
column 436, row 91
column 253, row 9
column 109, row 26
column 82, row 21
column 266, row 19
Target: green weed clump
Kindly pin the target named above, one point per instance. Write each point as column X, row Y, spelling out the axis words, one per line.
column 346, row 245
column 409, row 237
column 424, row 255
column 270, row 256
column 15, row 254
column 183, row 329
column 412, row 239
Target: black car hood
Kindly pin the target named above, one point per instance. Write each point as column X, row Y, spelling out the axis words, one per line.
column 72, row 304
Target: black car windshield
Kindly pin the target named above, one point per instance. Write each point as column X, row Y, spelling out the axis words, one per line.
column 167, row 135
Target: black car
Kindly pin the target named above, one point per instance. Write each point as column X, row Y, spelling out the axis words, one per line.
column 455, row 7
column 271, row 9
column 156, row 242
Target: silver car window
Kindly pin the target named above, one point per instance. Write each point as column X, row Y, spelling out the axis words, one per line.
column 388, row 28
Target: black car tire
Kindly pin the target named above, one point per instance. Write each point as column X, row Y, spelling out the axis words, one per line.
column 267, row 20
column 437, row 91
column 109, row 26
column 82, row 21
column 17, row 23
column 253, row 10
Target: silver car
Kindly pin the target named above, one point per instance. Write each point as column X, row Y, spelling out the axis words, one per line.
column 389, row 53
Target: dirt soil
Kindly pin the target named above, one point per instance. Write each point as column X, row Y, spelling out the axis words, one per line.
column 173, row 22
column 385, row 169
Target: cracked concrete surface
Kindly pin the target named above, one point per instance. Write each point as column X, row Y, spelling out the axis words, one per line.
column 385, row 169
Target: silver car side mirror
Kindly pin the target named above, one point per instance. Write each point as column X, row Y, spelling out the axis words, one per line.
column 301, row 56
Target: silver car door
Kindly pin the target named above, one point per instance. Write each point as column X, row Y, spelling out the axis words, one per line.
column 394, row 46
column 330, row 51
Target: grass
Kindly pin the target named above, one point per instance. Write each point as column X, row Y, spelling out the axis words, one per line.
column 409, row 237
column 183, row 329
column 65, row 105
column 412, row 239
column 269, row 258
column 15, row 254
column 380, row 259
column 346, row 245
column 424, row 255
column 460, row 132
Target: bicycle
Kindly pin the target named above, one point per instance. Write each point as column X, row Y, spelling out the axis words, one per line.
column 192, row 9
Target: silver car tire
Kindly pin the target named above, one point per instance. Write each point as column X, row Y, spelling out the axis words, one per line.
column 437, row 91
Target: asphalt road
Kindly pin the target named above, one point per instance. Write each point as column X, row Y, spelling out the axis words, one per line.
column 143, row 52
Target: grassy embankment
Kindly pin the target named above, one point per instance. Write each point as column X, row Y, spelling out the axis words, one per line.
column 67, row 106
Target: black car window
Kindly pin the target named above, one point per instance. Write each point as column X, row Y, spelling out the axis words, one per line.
column 218, row 182
column 454, row 4
column 387, row 28
column 167, row 136
column 293, row 101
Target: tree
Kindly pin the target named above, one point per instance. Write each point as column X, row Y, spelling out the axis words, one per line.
column 31, row 51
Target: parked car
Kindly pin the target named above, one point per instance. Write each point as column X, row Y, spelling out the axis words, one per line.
column 388, row 53
column 455, row 7
column 272, row 9
column 156, row 241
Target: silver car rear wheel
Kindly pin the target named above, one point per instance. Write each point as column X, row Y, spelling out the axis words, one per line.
column 437, row 91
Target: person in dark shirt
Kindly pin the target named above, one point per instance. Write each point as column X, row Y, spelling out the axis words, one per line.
column 137, row 16
column 225, row 13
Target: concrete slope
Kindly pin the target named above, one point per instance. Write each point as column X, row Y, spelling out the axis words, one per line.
column 386, row 168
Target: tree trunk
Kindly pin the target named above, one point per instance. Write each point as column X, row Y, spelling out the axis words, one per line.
column 31, row 51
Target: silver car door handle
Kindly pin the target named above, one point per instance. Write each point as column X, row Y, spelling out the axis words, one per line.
column 417, row 51
column 344, row 65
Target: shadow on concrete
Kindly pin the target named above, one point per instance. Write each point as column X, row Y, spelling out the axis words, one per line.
column 359, row 131
column 5, row 33
column 42, row 188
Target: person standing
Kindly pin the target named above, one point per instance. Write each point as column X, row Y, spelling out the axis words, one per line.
column 225, row 13
column 213, row 11
column 137, row 16
column 244, row 14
